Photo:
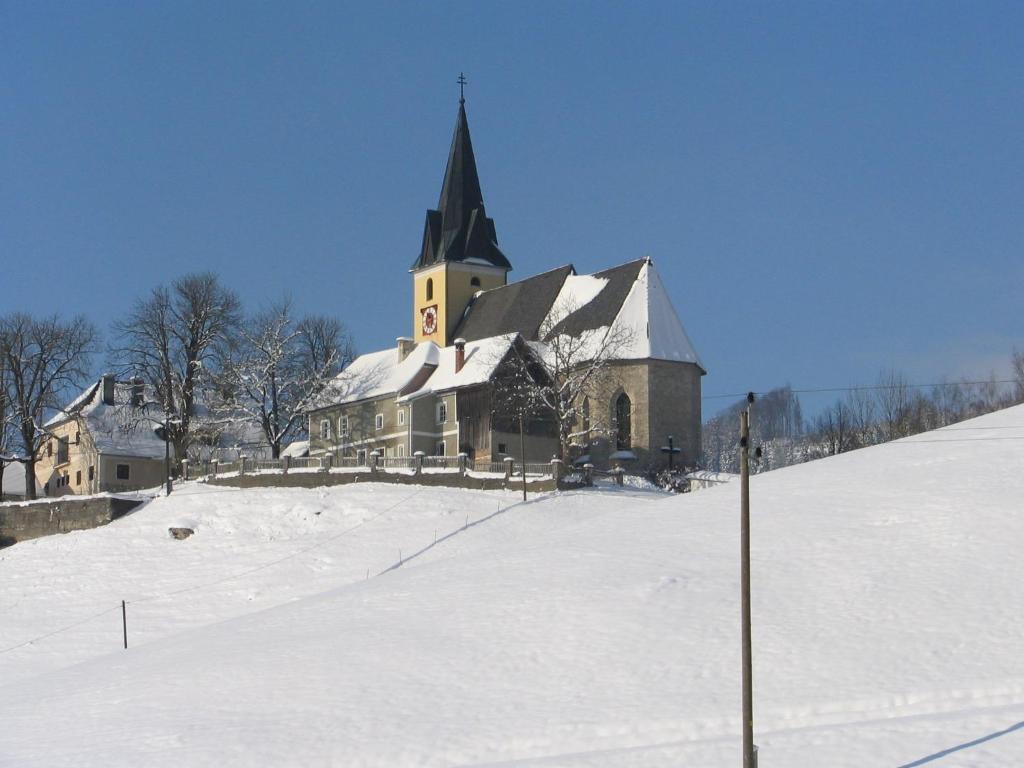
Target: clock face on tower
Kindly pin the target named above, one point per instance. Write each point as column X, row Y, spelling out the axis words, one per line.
column 428, row 317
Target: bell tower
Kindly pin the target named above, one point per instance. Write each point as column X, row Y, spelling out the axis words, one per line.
column 460, row 253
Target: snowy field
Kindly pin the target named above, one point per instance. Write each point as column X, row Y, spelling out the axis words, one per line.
column 590, row 628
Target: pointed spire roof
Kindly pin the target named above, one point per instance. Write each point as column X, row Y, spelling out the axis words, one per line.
column 459, row 229
column 460, row 192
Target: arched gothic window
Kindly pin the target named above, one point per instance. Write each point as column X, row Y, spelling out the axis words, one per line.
column 623, row 425
column 430, row 288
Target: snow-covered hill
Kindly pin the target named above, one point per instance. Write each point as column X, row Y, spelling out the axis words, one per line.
column 591, row 628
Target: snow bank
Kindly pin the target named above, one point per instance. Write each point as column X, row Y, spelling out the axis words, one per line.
column 590, row 628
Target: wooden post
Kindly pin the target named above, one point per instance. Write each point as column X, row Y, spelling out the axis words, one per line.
column 522, row 450
column 748, row 693
column 124, row 623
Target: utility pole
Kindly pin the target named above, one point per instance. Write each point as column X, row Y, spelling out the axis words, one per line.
column 749, row 753
column 522, row 450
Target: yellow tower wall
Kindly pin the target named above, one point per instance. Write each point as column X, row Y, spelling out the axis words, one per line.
column 452, row 290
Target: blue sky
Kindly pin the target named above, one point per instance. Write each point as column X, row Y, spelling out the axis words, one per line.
column 827, row 189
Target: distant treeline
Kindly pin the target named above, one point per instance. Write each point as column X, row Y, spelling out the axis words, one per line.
column 891, row 409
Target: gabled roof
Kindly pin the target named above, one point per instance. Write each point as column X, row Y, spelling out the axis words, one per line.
column 120, row 429
column 376, row 374
column 459, row 230
column 515, row 308
column 630, row 295
column 600, row 311
column 482, row 359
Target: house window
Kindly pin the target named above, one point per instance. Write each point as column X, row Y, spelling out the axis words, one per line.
column 475, row 282
column 401, row 417
column 442, row 412
column 400, row 451
column 378, row 421
column 78, row 438
column 501, row 448
column 430, row 288
column 623, row 428
column 49, row 449
column 325, row 429
column 440, row 448
column 92, row 473
column 78, row 477
column 361, row 456
column 123, row 471
column 343, row 425
column 62, row 450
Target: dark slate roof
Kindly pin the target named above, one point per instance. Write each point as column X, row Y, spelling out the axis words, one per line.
column 515, row 308
column 604, row 308
column 459, row 229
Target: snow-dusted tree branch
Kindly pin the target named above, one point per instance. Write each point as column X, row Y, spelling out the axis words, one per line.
column 564, row 368
column 44, row 359
column 169, row 339
column 278, row 369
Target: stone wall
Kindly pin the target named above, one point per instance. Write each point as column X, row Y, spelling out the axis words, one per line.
column 320, row 479
column 30, row 520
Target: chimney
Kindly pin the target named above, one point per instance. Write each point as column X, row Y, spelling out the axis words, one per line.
column 460, row 354
column 108, row 388
column 137, row 389
column 405, row 346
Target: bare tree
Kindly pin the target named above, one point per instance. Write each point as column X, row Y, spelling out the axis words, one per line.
column 1017, row 362
column 45, row 359
column 280, row 368
column 563, row 369
column 893, row 405
column 168, row 340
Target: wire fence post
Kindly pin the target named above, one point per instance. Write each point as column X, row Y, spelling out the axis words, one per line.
column 124, row 623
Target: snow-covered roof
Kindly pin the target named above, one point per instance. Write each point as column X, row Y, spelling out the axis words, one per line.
column 296, row 449
column 380, row 373
column 482, row 358
column 120, row 429
column 577, row 291
column 655, row 329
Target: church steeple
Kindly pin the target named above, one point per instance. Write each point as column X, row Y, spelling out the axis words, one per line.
column 460, row 255
column 459, row 229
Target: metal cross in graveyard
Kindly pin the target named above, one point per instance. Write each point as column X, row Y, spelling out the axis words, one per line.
column 462, row 86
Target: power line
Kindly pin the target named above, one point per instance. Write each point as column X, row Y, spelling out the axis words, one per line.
column 864, row 387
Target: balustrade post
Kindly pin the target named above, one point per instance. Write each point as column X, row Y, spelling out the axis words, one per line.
column 588, row 473
column 462, row 464
column 419, row 462
column 509, row 462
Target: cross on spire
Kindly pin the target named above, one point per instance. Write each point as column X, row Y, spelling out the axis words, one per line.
column 462, row 85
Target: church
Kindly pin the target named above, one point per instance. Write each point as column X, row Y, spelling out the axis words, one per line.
column 440, row 390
